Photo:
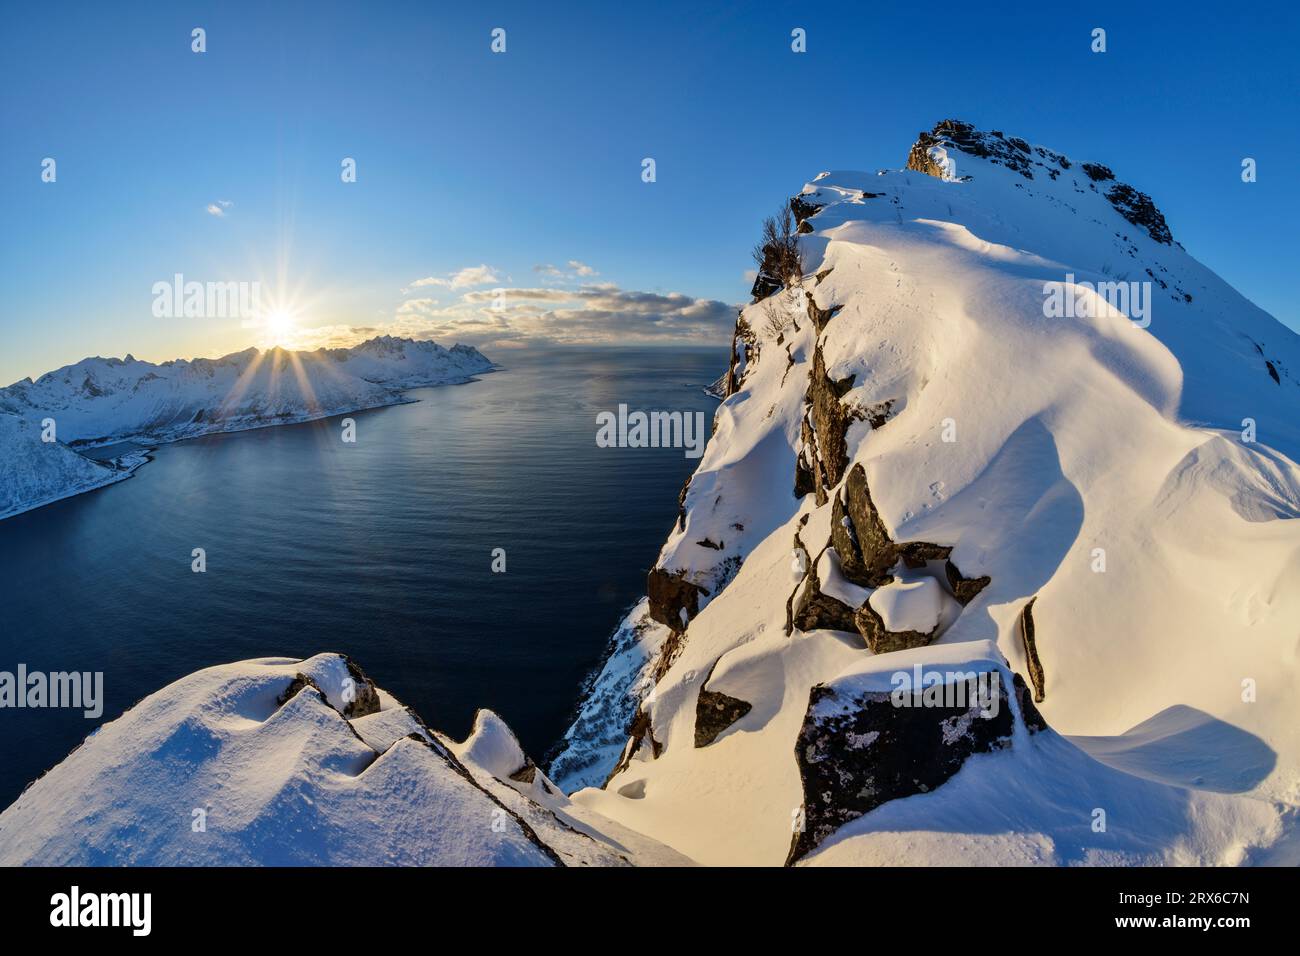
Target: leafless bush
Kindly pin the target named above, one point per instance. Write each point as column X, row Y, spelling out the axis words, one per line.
column 777, row 254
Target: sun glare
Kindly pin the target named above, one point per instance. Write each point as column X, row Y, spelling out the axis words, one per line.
column 279, row 328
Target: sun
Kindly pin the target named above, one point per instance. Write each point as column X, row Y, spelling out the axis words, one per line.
column 279, row 327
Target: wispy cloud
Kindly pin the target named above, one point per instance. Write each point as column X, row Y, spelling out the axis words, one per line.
column 574, row 269
column 219, row 207
column 464, row 279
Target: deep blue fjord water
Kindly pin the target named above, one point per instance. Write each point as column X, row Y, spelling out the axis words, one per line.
column 380, row 549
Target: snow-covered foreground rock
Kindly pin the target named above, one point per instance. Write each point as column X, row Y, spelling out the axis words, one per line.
column 963, row 577
column 101, row 401
column 925, row 459
column 282, row 762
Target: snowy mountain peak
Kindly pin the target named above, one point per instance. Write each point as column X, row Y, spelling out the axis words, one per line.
column 921, row 461
column 933, row 154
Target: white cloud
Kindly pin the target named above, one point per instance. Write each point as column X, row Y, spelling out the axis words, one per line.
column 574, row 269
column 217, row 210
column 594, row 313
column 464, row 279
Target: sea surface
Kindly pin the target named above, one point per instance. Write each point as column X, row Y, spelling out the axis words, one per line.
column 382, row 549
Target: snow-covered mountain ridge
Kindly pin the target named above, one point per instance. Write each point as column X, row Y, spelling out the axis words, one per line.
column 957, row 580
column 914, row 456
column 101, row 401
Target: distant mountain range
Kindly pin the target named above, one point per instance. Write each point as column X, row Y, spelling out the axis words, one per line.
column 101, row 401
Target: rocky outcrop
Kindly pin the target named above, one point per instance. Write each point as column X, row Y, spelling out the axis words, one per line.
column 1138, row 209
column 829, row 421
column 364, row 694
column 715, row 712
column 744, row 351
column 855, row 754
column 1035, row 666
column 356, row 696
column 673, row 599
column 1033, row 719
column 867, row 553
column 814, row 610
column 880, row 639
column 1017, row 155
column 964, row 589
column 803, row 210
column 1012, row 152
column 640, row 734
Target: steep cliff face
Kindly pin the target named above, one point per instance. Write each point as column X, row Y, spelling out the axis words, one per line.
column 921, row 454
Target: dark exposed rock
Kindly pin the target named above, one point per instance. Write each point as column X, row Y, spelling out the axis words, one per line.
column 681, row 504
column 917, row 554
column 1138, row 209
column 879, row 413
column 765, row 284
column 670, row 594
column 715, row 712
column 856, row 754
column 830, row 424
column 744, row 350
column 805, row 481
column 882, row 641
column 1272, row 371
column 640, row 733
column 1031, row 651
column 1017, row 155
column 815, row 610
column 297, row 684
column 1097, row 172
column 1033, row 719
column 821, row 317
column 710, row 543
column 366, row 699
column 525, row 774
column 954, row 134
column 964, row 589
column 875, row 553
column 803, row 209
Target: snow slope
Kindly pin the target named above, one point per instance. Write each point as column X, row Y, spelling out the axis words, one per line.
column 921, row 317
column 100, row 401
column 38, row 472
column 282, row 762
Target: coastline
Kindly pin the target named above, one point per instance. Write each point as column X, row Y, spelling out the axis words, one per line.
column 149, row 444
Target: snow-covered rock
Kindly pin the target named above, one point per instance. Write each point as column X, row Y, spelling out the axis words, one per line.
column 968, row 452
column 102, row 401
column 256, row 763
column 910, row 605
column 37, row 472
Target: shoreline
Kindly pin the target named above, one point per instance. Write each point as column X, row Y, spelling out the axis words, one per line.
column 149, row 445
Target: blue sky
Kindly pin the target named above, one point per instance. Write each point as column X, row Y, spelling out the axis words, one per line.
column 530, row 158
